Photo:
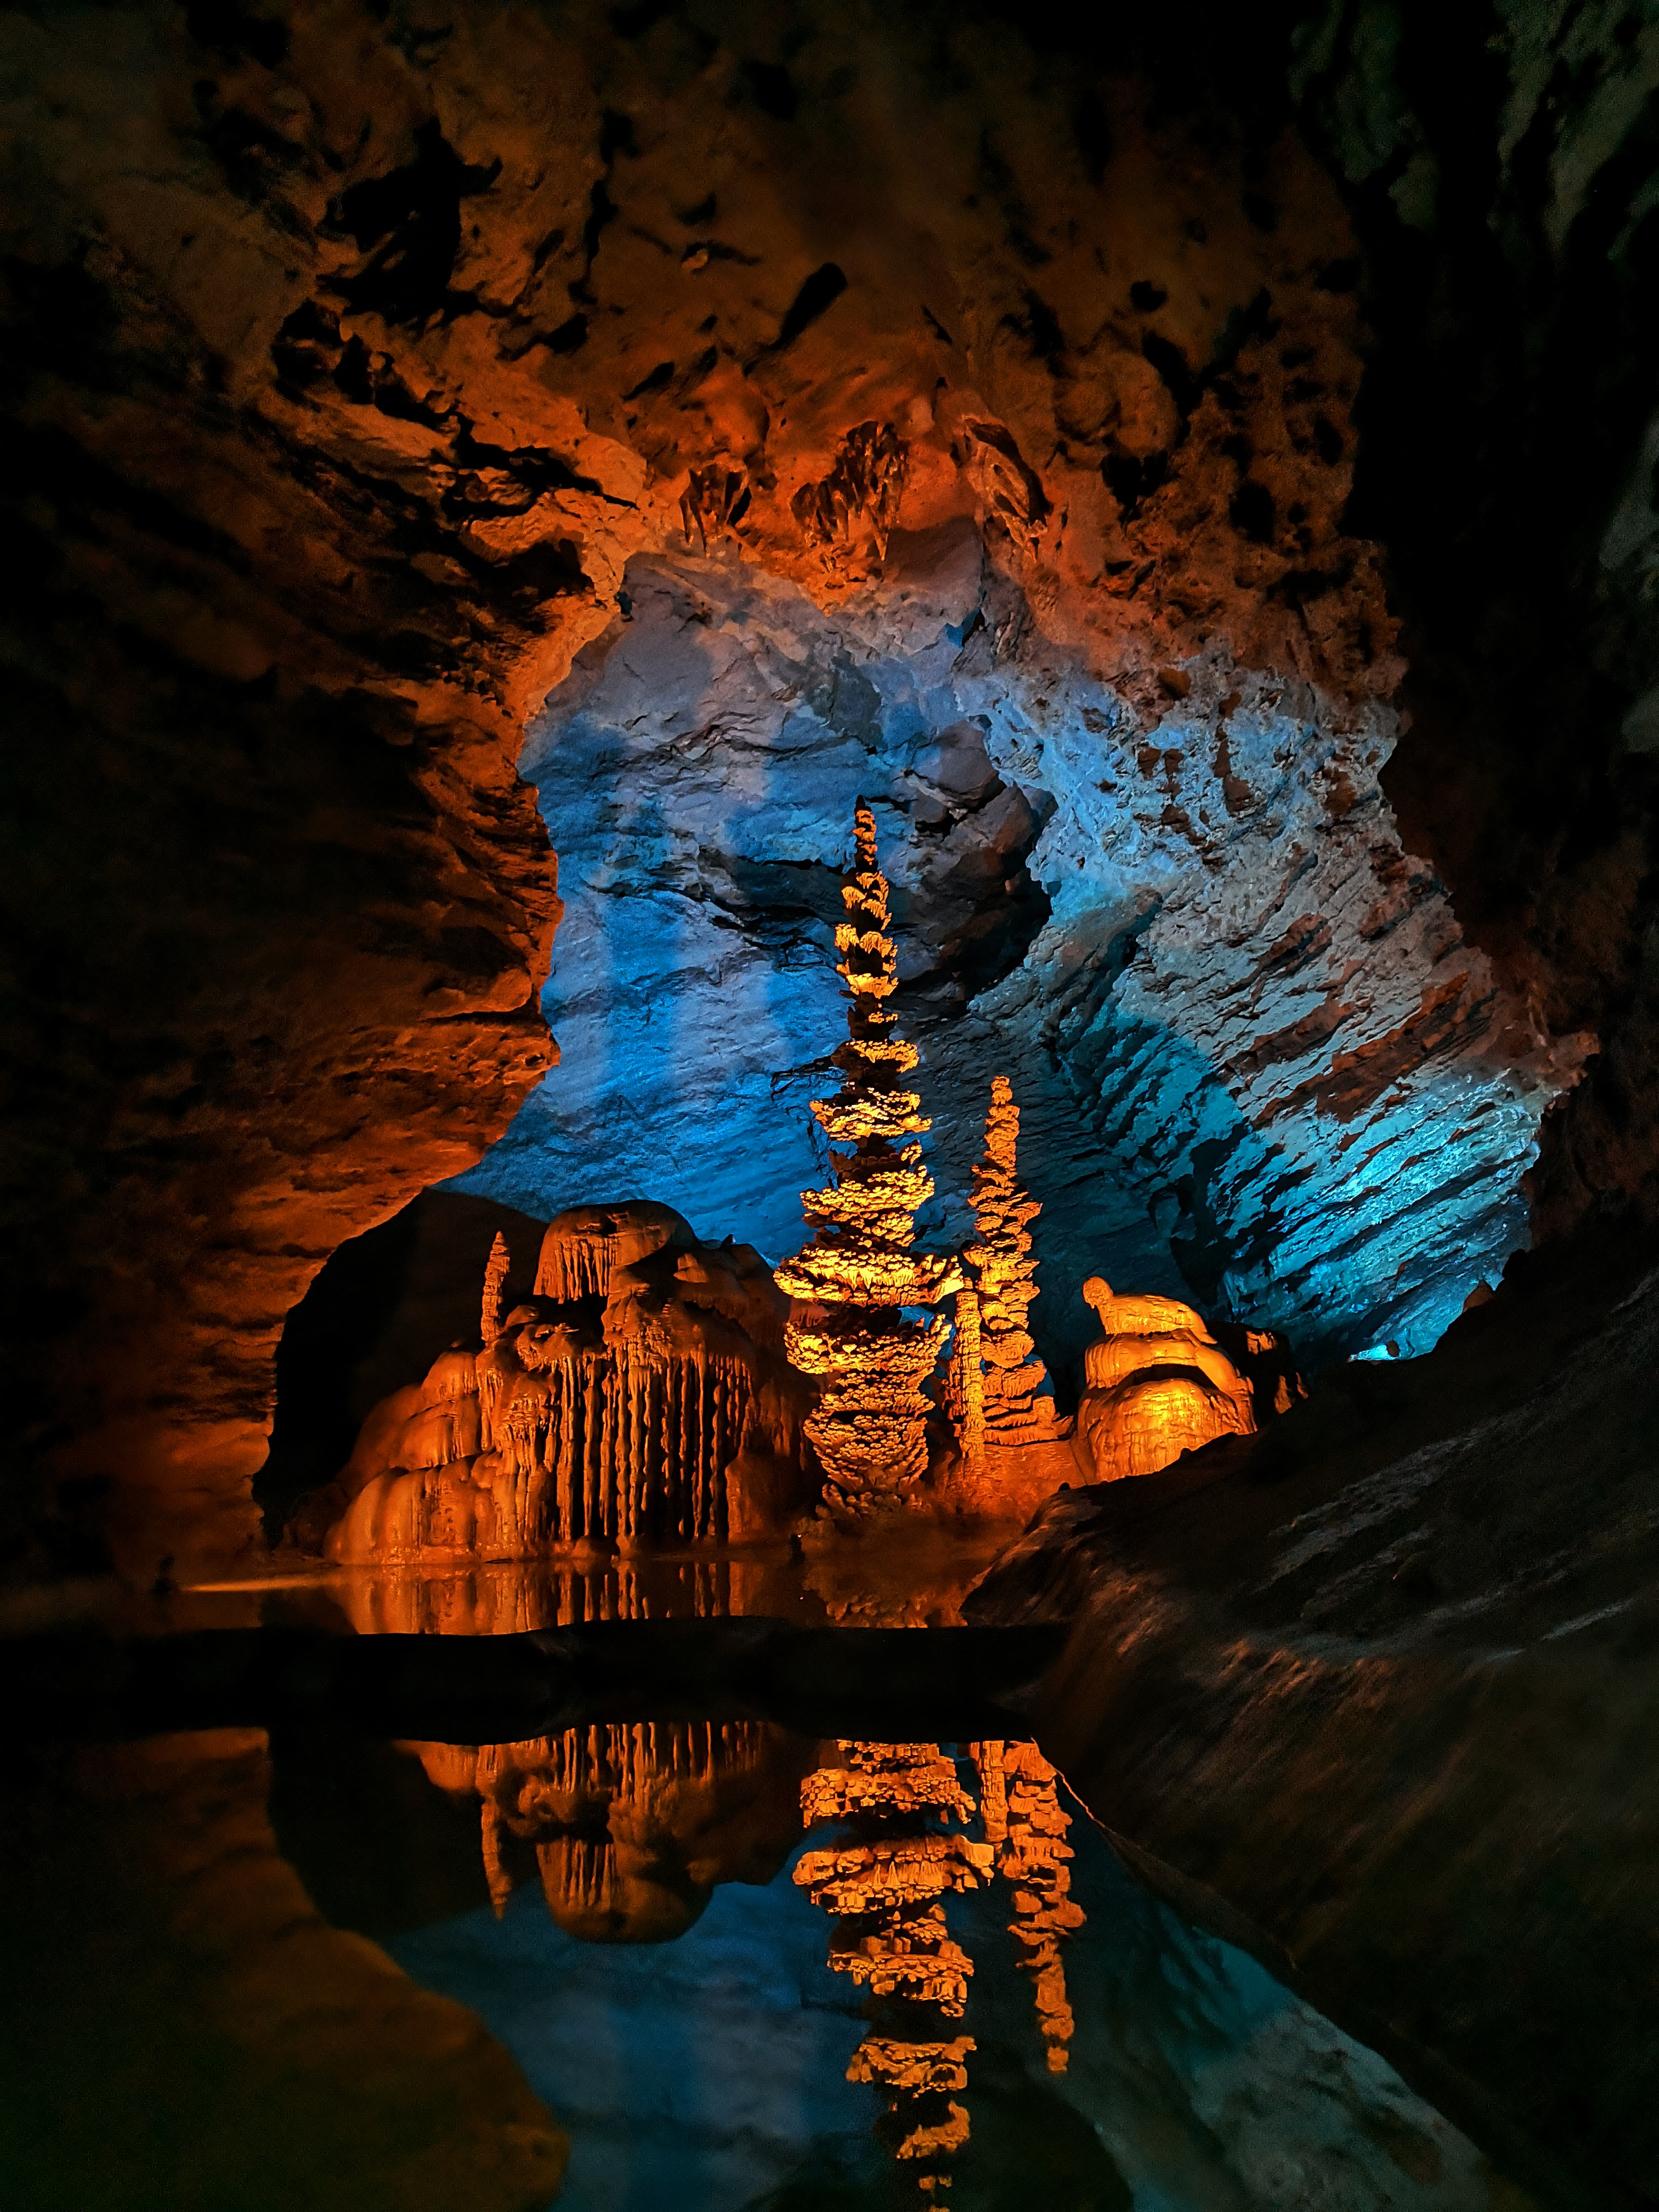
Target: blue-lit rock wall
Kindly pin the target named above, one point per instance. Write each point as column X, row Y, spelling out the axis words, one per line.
column 1258, row 1065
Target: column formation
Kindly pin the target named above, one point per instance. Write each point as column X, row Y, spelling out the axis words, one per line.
column 860, row 1272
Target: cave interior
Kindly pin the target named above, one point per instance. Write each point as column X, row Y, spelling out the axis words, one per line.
column 613, row 611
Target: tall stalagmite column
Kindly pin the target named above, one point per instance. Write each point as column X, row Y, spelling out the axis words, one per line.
column 1004, row 1277
column 859, row 1270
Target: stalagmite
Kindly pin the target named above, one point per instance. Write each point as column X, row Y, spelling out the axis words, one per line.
column 1016, row 1408
column 859, row 1270
column 966, row 1383
column 1158, row 1385
column 496, row 1267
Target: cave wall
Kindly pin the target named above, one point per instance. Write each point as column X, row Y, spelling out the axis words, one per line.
column 1256, row 1060
column 361, row 370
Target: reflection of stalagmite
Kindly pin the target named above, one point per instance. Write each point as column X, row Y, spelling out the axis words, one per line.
column 1024, row 1821
column 641, row 1396
column 631, row 1826
column 860, row 1269
column 887, row 1881
column 1018, row 1408
column 890, row 1935
column 1158, row 1385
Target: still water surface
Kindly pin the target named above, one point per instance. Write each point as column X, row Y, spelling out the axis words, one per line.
column 1010, row 2021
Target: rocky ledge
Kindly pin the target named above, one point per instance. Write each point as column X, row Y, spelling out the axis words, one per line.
column 1382, row 1679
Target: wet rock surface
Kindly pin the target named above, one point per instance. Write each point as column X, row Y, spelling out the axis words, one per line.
column 1382, row 1679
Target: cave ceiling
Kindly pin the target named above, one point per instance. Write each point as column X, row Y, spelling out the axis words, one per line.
column 668, row 425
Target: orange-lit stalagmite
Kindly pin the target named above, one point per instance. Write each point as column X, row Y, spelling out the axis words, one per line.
column 495, row 1274
column 1158, row 1385
column 1017, row 1406
column 641, row 1396
column 860, row 1269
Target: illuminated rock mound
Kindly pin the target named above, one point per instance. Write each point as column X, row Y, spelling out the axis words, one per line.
column 1159, row 1385
column 860, row 1271
column 640, row 1397
column 628, row 1827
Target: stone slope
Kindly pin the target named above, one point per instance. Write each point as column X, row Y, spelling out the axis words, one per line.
column 1382, row 1679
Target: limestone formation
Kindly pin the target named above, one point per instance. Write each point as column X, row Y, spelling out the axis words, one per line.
column 1026, row 1824
column 640, row 1397
column 890, row 1936
column 1158, row 1385
column 628, row 1827
column 1018, row 1407
column 495, row 1271
column 859, row 1270
column 965, row 1391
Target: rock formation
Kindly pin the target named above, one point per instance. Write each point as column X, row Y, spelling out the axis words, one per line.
column 496, row 1273
column 640, row 1397
column 628, row 1827
column 1018, row 1408
column 1158, row 1384
column 860, row 1271
column 890, row 1936
column 1026, row 1825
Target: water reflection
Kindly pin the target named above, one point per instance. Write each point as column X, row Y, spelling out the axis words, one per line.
column 918, row 1583
column 628, row 1827
column 906, row 1849
column 947, row 1991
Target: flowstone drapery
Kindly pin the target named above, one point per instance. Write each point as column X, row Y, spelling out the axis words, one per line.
column 860, row 1271
column 640, row 1397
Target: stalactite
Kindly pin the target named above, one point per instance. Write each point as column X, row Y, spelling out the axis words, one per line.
column 496, row 1267
column 859, row 1270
